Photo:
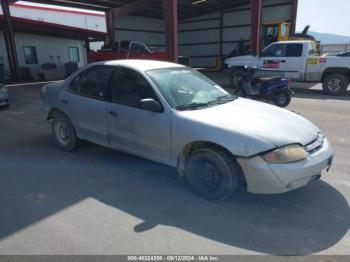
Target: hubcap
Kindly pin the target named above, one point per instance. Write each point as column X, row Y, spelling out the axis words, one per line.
column 335, row 84
column 208, row 175
column 62, row 134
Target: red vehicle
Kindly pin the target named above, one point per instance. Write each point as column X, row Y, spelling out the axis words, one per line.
column 130, row 50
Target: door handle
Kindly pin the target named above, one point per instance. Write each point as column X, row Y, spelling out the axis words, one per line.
column 283, row 61
column 113, row 114
column 65, row 102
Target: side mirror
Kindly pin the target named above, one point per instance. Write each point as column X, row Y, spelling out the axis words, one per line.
column 151, row 105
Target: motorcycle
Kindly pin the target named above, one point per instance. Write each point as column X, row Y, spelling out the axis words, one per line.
column 275, row 89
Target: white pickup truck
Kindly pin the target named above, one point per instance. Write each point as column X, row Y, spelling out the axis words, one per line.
column 296, row 60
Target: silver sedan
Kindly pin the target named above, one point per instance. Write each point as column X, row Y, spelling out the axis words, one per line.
column 174, row 115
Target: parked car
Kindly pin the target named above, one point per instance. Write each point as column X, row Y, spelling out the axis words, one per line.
column 4, row 96
column 176, row 116
column 132, row 50
column 297, row 60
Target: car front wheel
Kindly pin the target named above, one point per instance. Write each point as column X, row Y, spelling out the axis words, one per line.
column 213, row 173
column 236, row 78
column 63, row 133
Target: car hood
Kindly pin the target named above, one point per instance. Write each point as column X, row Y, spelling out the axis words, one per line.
column 278, row 126
column 248, row 60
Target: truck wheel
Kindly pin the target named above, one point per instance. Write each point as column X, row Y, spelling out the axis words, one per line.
column 335, row 84
column 282, row 99
column 236, row 78
column 212, row 173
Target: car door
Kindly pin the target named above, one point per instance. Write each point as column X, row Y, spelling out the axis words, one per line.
column 85, row 103
column 132, row 129
column 282, row 59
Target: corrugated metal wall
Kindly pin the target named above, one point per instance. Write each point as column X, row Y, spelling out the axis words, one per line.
column 200, row 36
column 141, row 29
column 48, row 49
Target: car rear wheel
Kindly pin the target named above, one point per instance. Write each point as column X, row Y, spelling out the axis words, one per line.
column 63, row 133
column 335, row 84
column 213, row 173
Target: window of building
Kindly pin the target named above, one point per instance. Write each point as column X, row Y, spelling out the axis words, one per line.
column 30, row 55
column 74, row 54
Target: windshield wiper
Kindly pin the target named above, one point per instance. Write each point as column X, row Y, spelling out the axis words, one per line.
column 223, row 100
column 218, row 101
column 192, row 106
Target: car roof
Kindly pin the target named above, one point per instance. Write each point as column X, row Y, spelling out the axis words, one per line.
column 142, row 65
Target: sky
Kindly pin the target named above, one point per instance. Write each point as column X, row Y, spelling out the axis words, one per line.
column 325, row 16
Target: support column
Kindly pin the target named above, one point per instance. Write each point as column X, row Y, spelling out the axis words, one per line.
column 221, row 34
column 256, row 17
column 10, row 40
column 294, row 16
column 171, row 29
column 110, row 27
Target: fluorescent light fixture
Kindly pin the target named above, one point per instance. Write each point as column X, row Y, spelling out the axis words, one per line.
column 198, row 2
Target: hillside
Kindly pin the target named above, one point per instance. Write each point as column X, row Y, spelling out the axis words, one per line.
column 331, row 38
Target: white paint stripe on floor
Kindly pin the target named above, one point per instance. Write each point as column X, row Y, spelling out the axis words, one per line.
column 33, row 83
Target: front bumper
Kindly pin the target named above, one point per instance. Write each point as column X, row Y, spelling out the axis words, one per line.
column 265, row 178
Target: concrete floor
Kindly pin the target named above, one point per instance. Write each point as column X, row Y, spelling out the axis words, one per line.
column 97, row 201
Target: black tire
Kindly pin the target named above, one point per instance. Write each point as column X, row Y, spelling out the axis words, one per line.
column 213, row 173
column 335, row 84
column 235, row 78
column 282, row 99
column 63, row 133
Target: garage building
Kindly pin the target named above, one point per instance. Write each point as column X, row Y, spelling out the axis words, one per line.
column 49, row 35
column 200, row 29
column 39, row 43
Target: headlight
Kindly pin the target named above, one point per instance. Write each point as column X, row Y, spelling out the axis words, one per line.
column 287, row 154
column 3, row 90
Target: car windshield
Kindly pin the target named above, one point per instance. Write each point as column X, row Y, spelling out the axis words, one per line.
column 187, row 89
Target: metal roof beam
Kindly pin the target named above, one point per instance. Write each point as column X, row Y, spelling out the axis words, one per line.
column 134, row 7
column 90, row 5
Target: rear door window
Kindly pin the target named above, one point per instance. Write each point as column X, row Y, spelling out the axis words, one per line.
column 294, row 50
column 124, row 46
column 93, row 83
